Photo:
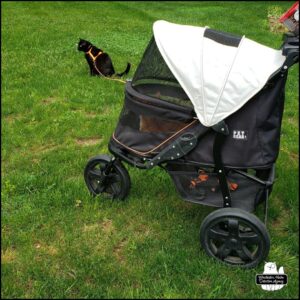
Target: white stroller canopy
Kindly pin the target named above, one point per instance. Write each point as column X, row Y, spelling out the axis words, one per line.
column 219, row 73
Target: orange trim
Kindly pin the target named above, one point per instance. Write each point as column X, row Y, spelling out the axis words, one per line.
column 165, row 141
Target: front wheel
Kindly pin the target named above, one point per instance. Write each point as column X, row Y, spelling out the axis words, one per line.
column 106, row 177
column 235, row 237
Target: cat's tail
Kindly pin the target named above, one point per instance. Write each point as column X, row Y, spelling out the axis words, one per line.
column 126, row 70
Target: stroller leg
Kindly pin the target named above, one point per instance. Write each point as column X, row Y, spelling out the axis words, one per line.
column 266, row 206
column 221, row 133
column 232, row 235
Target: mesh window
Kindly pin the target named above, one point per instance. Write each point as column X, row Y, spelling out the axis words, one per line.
column 154, row 78
column 145, row 134
column 149, row 123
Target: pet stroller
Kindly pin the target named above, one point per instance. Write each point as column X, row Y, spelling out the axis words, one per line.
column 206, row 106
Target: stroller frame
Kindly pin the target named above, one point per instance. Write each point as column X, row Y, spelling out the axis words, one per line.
column 107, row 172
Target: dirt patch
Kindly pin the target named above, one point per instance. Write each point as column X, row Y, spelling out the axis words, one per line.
column 276, row 26
column 43, row 149
column 202, row 282
column 12, row 118
column 90, row 114
column 292, row 155
column 90, row 282
column 279, row 223
column 91, row 227
column 36, row 161
column 49, row 100
column 274, row 13
column 37, row 246
column 88, row 141
column 293, row 121
column 107, row 226
column 8, row 255
column 29, row 288
column 143, row 230
column 118, row 250
column 51, row 250
column 86, row 114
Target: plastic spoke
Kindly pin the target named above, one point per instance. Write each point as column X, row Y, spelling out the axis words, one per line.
column 233, row 227
column 217, row 234
column 95, row 173
column 114, row 178
column 244, row 253
column 115, row 190
column 250, row 238
column 223, row 251
column 100, row 188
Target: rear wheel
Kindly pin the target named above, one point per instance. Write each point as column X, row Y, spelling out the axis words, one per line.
column 110, row 179
column 235, row 237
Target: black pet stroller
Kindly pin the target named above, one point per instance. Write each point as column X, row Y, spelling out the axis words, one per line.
column 207, row 107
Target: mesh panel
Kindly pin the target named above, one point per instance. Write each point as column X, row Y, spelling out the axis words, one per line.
column 145, row 134
column 154, row 78
column 153, row 66
column 149, row 123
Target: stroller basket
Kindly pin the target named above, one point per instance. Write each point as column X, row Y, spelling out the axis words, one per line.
column 200, row 184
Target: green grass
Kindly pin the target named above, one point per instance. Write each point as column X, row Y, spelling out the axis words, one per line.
column 59, row 242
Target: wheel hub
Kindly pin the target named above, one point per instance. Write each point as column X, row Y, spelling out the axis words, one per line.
column 106, row 176
column 235, row 237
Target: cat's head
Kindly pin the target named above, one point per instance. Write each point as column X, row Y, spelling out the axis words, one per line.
column 84, row 45
column 270, row 268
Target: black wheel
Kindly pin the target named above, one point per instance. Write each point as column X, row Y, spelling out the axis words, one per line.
column 235, row 237
column 111, row 180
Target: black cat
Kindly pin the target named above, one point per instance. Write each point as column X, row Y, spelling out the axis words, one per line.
column 99, row 61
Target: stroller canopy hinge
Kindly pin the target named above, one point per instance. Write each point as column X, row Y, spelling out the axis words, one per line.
column 221, row 127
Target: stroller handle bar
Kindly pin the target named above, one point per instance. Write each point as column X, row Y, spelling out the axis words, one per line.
column 290, row 49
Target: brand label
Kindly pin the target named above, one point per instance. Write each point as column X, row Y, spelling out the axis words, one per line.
column 240, row 135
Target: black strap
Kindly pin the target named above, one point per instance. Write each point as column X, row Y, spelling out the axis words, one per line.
column 222, row 37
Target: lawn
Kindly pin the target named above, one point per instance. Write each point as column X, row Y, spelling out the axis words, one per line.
column 57, row 240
